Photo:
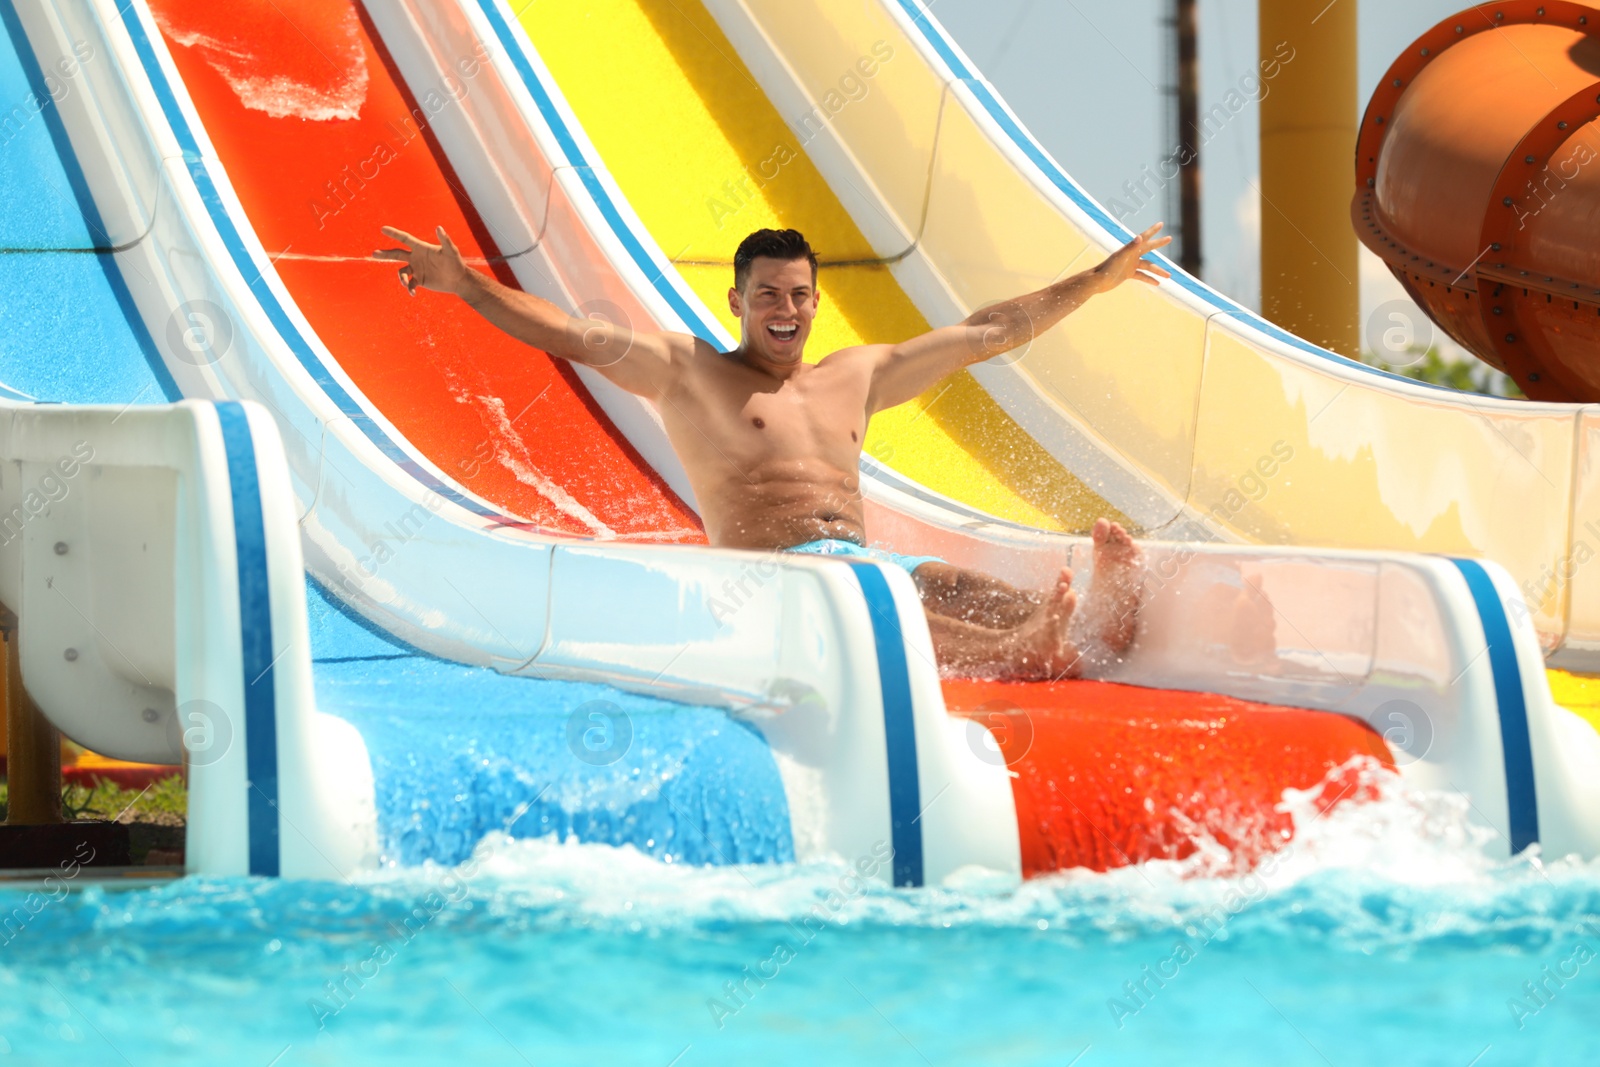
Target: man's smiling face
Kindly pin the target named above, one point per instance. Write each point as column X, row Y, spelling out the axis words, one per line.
column 775, row 311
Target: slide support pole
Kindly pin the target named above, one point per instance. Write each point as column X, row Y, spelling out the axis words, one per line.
column 1310, row 272
column 33, row 746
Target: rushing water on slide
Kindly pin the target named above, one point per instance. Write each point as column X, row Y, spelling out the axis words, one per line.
column 1379, row 937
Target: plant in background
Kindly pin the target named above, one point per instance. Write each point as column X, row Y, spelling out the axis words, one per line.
column 1431, row 366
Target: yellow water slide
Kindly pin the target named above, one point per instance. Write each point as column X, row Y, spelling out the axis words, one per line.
column 704, row 158
column 861, row 124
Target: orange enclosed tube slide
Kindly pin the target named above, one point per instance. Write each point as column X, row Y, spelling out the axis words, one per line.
column 1110, row 775
column 1478, row 183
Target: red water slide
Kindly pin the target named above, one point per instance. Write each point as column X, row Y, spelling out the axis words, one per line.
column 325, row 145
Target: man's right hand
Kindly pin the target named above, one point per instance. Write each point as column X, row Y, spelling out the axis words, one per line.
column 642, row 362
column 1128, row 263
column 438, row 267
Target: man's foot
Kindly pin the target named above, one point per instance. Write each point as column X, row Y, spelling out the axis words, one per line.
column 1114, row 591
column 1044, row 652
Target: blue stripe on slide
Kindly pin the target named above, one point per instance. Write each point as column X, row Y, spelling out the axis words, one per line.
column 1521, row 796
column 255, row 637
column 899, row 726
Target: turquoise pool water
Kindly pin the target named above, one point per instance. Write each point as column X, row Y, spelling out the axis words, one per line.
column 1378, row 938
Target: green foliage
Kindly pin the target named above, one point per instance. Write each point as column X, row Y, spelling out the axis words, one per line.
column 165, row 803
column 1465, row 375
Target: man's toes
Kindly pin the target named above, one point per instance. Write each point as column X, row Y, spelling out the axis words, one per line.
column 1118, row 545
column 1102, row 529
column 1062, row 602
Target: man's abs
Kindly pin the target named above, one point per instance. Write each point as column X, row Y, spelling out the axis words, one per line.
column 784, row 507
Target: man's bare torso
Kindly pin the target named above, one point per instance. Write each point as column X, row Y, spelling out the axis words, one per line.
column 772, row 445
column 773, row 463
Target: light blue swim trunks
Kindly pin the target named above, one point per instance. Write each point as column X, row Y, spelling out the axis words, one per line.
column 835, row 547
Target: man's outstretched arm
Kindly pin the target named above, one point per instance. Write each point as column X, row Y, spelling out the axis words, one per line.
column 906, row 370
column 638, row 361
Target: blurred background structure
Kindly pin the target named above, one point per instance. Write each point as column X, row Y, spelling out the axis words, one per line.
column 1051, row 58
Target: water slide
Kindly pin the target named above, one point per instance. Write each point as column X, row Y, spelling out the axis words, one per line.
column 477, row 613
column 127, row 548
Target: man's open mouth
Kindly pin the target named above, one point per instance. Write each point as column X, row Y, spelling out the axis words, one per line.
column 784, row 332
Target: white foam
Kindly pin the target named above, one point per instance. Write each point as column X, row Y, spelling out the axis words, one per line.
column 513, row 455
column 278, row 94
column 1423, row 852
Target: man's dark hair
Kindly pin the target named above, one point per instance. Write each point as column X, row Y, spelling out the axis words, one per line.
column 772, row 244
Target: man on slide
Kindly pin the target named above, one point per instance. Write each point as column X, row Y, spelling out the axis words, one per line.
column 772, row 444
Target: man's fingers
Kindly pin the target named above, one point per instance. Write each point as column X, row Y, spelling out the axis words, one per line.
column 444, row 239
column 402, row 254
column 1152, row 231
column 402, row 236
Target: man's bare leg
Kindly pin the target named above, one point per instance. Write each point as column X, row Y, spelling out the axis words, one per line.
column 1112, row 605
column 1039, row 649
column 974, row 597
column 983, row 625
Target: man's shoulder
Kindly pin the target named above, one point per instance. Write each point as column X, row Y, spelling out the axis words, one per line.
column 699, row 355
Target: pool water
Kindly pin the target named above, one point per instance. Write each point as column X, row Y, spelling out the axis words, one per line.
column 1380, row 936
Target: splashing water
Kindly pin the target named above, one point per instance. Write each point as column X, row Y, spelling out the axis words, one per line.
column 328, row 84
column 1383, row 934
